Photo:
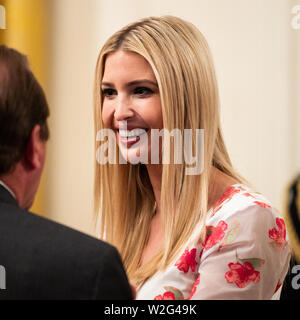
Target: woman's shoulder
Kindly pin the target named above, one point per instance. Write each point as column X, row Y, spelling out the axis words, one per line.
column 237, row 200
column 239, row 205
column 247, row 213
column 241, row 209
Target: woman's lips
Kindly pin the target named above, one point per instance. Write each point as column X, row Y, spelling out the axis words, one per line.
column 130, row 140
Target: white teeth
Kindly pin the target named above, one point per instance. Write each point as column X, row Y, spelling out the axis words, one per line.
column 131, row 133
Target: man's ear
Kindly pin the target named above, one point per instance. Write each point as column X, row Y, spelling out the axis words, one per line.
column 35, row 149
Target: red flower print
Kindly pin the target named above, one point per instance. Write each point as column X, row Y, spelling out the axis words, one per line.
column 242, row 274
column 247, row 194
column 166, row 296
column 215, row 234
column 187, row 260
column 227, row 195
column 194, row 287
column 171, row 293
column 278, row 286
column 200, row 255
column 278, row 236
column 262, row 204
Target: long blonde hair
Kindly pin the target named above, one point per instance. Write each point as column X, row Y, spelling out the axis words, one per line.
column 124, row 199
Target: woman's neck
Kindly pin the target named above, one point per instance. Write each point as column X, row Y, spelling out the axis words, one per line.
column 219, row 183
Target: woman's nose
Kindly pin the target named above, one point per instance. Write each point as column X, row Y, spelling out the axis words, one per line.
column 123, row 109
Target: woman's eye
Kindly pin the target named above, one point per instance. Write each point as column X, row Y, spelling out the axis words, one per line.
column 142, row 91
column 108, row 92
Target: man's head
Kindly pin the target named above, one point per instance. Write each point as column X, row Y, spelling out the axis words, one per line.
column 23, row 126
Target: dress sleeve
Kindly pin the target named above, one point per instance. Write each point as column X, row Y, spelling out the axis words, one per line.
column 244, row 256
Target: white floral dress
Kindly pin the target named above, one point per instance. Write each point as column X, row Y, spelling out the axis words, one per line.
column 245, row 254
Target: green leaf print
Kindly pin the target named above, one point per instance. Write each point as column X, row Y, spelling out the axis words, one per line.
column 177, row 293
column 232, row 233
column 256, row 262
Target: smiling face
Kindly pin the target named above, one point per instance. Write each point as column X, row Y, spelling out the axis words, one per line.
column 130, row 96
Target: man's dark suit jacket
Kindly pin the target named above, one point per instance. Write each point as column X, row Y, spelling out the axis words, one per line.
column 46, row 260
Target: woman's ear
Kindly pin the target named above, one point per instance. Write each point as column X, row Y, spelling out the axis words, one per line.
column 35, row 149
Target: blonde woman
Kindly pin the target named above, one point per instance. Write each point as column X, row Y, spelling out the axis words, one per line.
column 207, row 235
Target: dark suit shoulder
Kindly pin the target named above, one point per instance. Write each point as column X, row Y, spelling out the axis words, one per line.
column 23, row 222
column 46, row 259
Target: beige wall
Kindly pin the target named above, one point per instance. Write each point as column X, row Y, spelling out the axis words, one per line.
column 295, row 93
column 70, row 153
column 254, row 48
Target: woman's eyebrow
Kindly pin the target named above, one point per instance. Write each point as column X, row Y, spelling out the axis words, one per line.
column 131, row 83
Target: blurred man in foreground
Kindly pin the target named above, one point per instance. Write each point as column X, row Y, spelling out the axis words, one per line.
column 41, row 259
